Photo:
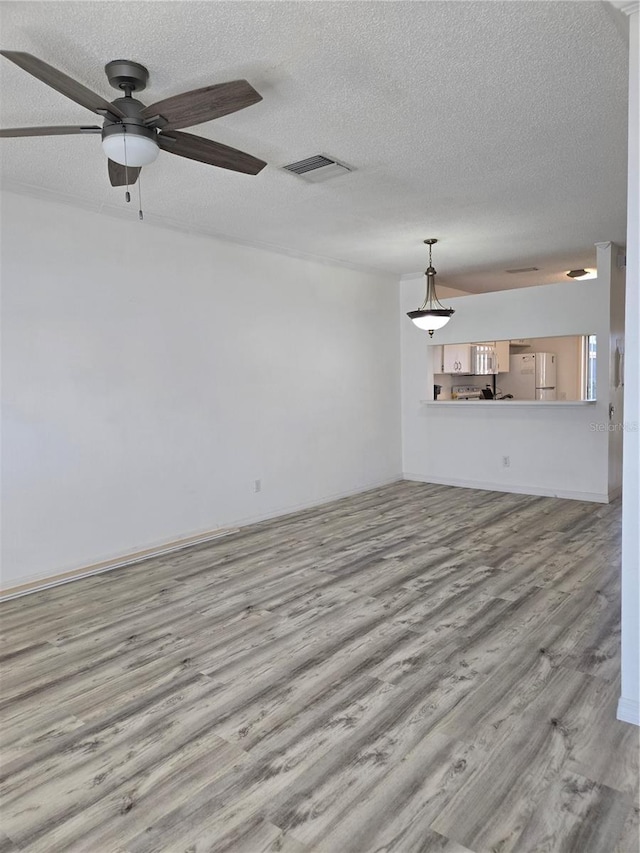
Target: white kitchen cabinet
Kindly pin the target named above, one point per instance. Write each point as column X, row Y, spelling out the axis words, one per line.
column 457, row 358
column 437, row 356
column 502, row 354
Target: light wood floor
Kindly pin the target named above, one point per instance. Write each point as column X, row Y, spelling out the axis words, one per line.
column 418, row 668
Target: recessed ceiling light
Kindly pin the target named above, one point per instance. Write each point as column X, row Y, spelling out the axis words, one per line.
column 588, row 273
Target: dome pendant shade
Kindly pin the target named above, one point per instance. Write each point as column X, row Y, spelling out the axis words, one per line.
column 429, row 321
column 432, row 314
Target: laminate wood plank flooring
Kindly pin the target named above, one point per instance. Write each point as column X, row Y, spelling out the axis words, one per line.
column 417, row 668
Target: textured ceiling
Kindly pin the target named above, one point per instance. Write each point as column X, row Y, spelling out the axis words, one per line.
column 498, row 127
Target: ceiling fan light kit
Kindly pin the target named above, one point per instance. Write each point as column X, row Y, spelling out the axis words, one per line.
column 132, row 133
column 130, row 145
column 432, row 314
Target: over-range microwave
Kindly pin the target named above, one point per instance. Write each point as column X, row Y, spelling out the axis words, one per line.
column 484, row 360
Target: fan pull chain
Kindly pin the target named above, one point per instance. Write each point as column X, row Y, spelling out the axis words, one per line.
column 127, row 195
column 140, row 214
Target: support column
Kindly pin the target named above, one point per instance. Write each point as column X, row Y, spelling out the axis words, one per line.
column 629, row 703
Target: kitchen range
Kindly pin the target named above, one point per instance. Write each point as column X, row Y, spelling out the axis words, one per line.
column 474, row 392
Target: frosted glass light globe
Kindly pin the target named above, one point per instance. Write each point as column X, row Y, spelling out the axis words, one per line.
column 430, row 322
column 140, row 150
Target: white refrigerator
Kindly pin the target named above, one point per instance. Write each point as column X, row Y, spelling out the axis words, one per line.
column 531, row 376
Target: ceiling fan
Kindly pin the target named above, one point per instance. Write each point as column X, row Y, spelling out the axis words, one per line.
column 132, row 133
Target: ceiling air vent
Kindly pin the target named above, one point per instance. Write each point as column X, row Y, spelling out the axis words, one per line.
column 525, row 269
column 317, row 168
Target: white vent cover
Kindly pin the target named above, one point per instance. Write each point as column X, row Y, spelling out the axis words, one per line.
column 317, row 168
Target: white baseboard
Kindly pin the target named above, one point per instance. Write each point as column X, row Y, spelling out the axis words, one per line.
column 48, row 581
column 35, row 584
column 629, row 711
column 511, row 488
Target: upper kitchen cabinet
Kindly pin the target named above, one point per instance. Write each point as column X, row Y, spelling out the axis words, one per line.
column 457, row 358
column 437, row 358
column 480, row 359
column 502, row 355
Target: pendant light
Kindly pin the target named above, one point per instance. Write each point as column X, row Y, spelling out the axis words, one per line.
column 432, row 315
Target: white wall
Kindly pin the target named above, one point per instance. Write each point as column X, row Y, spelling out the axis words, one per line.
column 151, row 376
column 553, row 450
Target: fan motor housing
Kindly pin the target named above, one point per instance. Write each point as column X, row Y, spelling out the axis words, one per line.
column 126, row 126
column 132, row 110
column 127, row 75
column 131, row 123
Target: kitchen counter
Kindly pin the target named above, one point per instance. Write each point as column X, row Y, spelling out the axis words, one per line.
column 510, row 403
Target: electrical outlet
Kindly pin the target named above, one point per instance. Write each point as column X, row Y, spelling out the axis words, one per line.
column 257, row 486
column 506, row 461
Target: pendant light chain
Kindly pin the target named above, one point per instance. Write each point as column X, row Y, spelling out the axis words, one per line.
column 430, row 300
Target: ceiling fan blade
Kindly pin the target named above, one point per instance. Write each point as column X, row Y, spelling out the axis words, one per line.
column 47, row 131
column 205, row 104
column 210, row 152
column 62, row 83
column 118, row 174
